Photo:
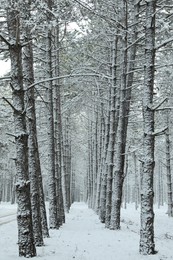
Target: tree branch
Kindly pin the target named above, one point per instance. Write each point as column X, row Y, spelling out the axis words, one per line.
column 5, row 78
column 66, row 76
column 11, row 105
column 97, row 14
column 5, row 41
column 158, row 105
column 160, row 132
column 164, row 43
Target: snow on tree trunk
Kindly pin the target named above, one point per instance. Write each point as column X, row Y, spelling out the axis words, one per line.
column 24, row 214
column 127, row 74
column 102, row 213
column 126, row 194
column 168, row 169
column 101, row 159
column 58, row 166
column 114, row 111
column 34, row 163
column 95, row 157
column 58, row 132
column 90, row 163
column 67, row 164
column 53, row 223
column 147, row 245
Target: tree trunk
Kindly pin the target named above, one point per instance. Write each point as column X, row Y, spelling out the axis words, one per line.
column 101, row 159
column 34, row 161
column 114, row 111
column 147, row 245
column 102, row 213
column 67, row 163
column 127, row 74
column 58, row 133
column 53, row 220
column 168, row 169
column 24, row 214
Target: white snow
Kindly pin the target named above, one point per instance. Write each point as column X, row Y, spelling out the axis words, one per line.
column 5, row 67
column 83, row 237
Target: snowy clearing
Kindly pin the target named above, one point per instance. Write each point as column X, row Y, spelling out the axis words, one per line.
column 83, row 237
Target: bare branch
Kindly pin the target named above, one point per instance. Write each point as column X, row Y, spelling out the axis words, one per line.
column 11, row 105
column 158, row 105
column 13, row 135
column 66, row 76
column 164, row 43
column 160, row 132
column 5, row 41
column 111, row 20
column 5, row 78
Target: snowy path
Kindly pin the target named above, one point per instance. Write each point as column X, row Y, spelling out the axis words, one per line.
column 7, row 218
column 83, row 237
column 7, row 214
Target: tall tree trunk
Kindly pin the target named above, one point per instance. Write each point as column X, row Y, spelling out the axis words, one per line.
column 24, row 214
column 126, row 183
column 168, row 169
column 58, row 132
column 95, row 157
column 67, row 162
column 127, row 74
column 114, row 111
column 102, row 213
column 147, row 245
column 53, row 220
column 34, row 161
column 89, row 165
column 100, row 168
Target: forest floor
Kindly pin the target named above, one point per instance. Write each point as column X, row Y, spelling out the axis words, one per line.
column 83, row 237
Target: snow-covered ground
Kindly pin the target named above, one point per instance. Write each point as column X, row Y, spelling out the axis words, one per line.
column 83, row 237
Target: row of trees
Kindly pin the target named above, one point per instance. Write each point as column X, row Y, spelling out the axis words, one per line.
column 128, row 106
column 88, row 95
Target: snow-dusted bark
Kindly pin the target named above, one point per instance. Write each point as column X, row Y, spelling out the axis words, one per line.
column 58, row 153
column 168, row 170
column 95, row 158
column 90, row 166
column 24, row 214
column 67, row 164
column 101, row 158
column 128, row 61
column 34, row 161
column 125, row 191
column 113, row 111
column 147, row 245
column 53, row 223
column 102, row 213
column 58, row 133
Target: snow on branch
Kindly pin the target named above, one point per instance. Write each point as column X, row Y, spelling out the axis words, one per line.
column 158, row 105
column 5, row 78
column 11, row 105
column 164, row 43
column 160, row 132
column 66, row 76
column 86, row 6
column 5, row 41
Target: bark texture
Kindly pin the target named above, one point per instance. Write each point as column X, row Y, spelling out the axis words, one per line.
column 24, row 214
column 147, row 215
column 34, row 161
